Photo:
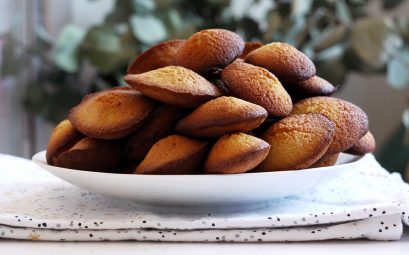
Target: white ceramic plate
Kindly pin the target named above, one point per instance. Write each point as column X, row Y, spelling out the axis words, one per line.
column 200, row 190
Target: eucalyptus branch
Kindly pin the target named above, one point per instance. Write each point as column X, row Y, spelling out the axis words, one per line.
column 29, row 51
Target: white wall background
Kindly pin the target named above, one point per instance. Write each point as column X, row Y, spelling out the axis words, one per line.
column 383, row 105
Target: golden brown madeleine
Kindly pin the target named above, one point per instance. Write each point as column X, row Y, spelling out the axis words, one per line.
column 364, row 145
column 284, row 61
column 297, row 141
column 257, row 85
column 351, row 121
column 158, row 56
column 158, row 126
column 174, row 154
column 209, row 49
column 249, row 47
column 111, row 114
column 236, row 153
column 221, row 116
column 174, row 85
column 326, row 160
column 314, row 86
column 63, row 137
column 91, row 155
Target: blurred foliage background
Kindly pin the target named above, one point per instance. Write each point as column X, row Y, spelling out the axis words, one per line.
column 339, row 36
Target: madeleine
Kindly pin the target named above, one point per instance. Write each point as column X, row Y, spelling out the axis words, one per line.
column 174, row 154
column 283, row 60
column 158, row 56
column 364, row 145
column 111, row 114
column 63, row 137
column 236, row 153
column 297, row 141
column 314, row 86
column 209, row 49
column 257, row 85
column 91, row 155
column 174, row 85
column 221, row 116
column 351, row 121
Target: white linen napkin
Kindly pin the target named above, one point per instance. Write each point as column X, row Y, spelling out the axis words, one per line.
column 366, row 202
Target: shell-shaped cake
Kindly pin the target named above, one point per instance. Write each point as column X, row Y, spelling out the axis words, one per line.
column 284, row 61
column 209, row 50
column 174, row 154
column 350, row 121
column 174, row 85
column 221, row 116
column 91, row 155
column 257, row 85
column 63, row 137
column 297, row 141
column 111, row 114
column 236, row 153
column 364, row 145
column 158, row 56
column 314, row 86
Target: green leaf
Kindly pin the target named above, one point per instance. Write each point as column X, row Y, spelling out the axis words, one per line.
column 330, row 37
column 105, row 50
column 148, row 29
column 143, row 6
column 44, row 40
column 358, row 2
column 12, row 61
column 298, row 33
column 250, row 27
column 375, row 41
column 342, row 12
column 398, row 70
column 273, row 25
column 177, row 26
column 34, row 97
column 394, row 155
column 166, row 4
column 300, row 7
column 389, row 4
column 405, row 121
column 332, row 70
column 120, row 13
column 51, row 99
column 402, row 26
column 60, row 102
column 405, row 118
column 175, row 19
column 333, row 52
column 219, row 3
column 66, row 48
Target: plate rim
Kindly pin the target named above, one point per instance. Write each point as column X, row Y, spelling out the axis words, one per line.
column 39, row 159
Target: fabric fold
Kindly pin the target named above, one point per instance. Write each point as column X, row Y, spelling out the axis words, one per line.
column 366, row 202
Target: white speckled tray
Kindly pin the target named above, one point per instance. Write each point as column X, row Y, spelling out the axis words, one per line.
column 365, row 202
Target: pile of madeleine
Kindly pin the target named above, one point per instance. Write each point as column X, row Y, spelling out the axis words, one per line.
column 212, row 104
